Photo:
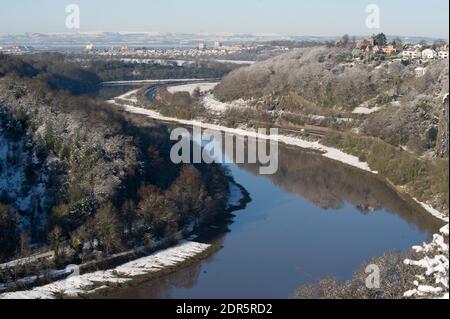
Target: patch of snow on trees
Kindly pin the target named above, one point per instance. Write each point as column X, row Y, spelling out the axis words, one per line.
column 435, row 280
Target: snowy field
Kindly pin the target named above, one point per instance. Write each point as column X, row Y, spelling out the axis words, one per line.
column 92, row 282
column 210, row 103
column 365, row 110
column 190, row 88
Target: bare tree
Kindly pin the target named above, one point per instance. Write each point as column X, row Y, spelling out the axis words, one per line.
column 107, row 228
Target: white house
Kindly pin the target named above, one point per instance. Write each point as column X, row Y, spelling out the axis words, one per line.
column 429, row 54
column 420, row 71
column 411, row 54
column 443, row 54
column 89, row 47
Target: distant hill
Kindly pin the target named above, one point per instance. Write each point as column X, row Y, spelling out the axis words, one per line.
column 326, row 81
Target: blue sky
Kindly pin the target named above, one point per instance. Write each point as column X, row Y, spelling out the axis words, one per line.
column 287, row 17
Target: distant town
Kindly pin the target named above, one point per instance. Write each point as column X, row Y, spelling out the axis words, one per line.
column 128, row 53
column 377, row 47
column 202, row 50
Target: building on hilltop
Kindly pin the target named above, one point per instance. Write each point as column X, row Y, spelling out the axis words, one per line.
column 420, row 71
column 389, row 49
column 412, row 54
column 89, row 47
column 363, row 44
column 429, row 54
column 443, row 54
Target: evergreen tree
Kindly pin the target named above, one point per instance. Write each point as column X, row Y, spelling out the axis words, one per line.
column 380, row 39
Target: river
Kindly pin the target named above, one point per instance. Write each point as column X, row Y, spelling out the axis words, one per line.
column 313, row 219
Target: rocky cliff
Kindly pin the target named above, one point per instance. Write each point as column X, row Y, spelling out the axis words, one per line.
column 443, row 131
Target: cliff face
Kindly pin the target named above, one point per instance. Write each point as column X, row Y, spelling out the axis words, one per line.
column 443, row 131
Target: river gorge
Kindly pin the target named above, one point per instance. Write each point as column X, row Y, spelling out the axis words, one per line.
column 314, row 218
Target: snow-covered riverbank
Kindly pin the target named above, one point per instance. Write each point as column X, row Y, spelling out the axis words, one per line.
column 433, row 211
column 328, row 152
column 90, row 283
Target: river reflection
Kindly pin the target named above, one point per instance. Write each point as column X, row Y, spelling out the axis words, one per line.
column 312, row 219
column 331, row 186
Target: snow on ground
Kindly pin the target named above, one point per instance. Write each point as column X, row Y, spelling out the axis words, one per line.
column 155, row 61
column 314, row 117
column 129, row 96
column 91, row 282
column 365, row 110
column 435, row 266
column 28, row 260
column 151, row 81
column 236, row 62
column 210, row 103
column 190, row 88
column 433, row 211
column 444, row 230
